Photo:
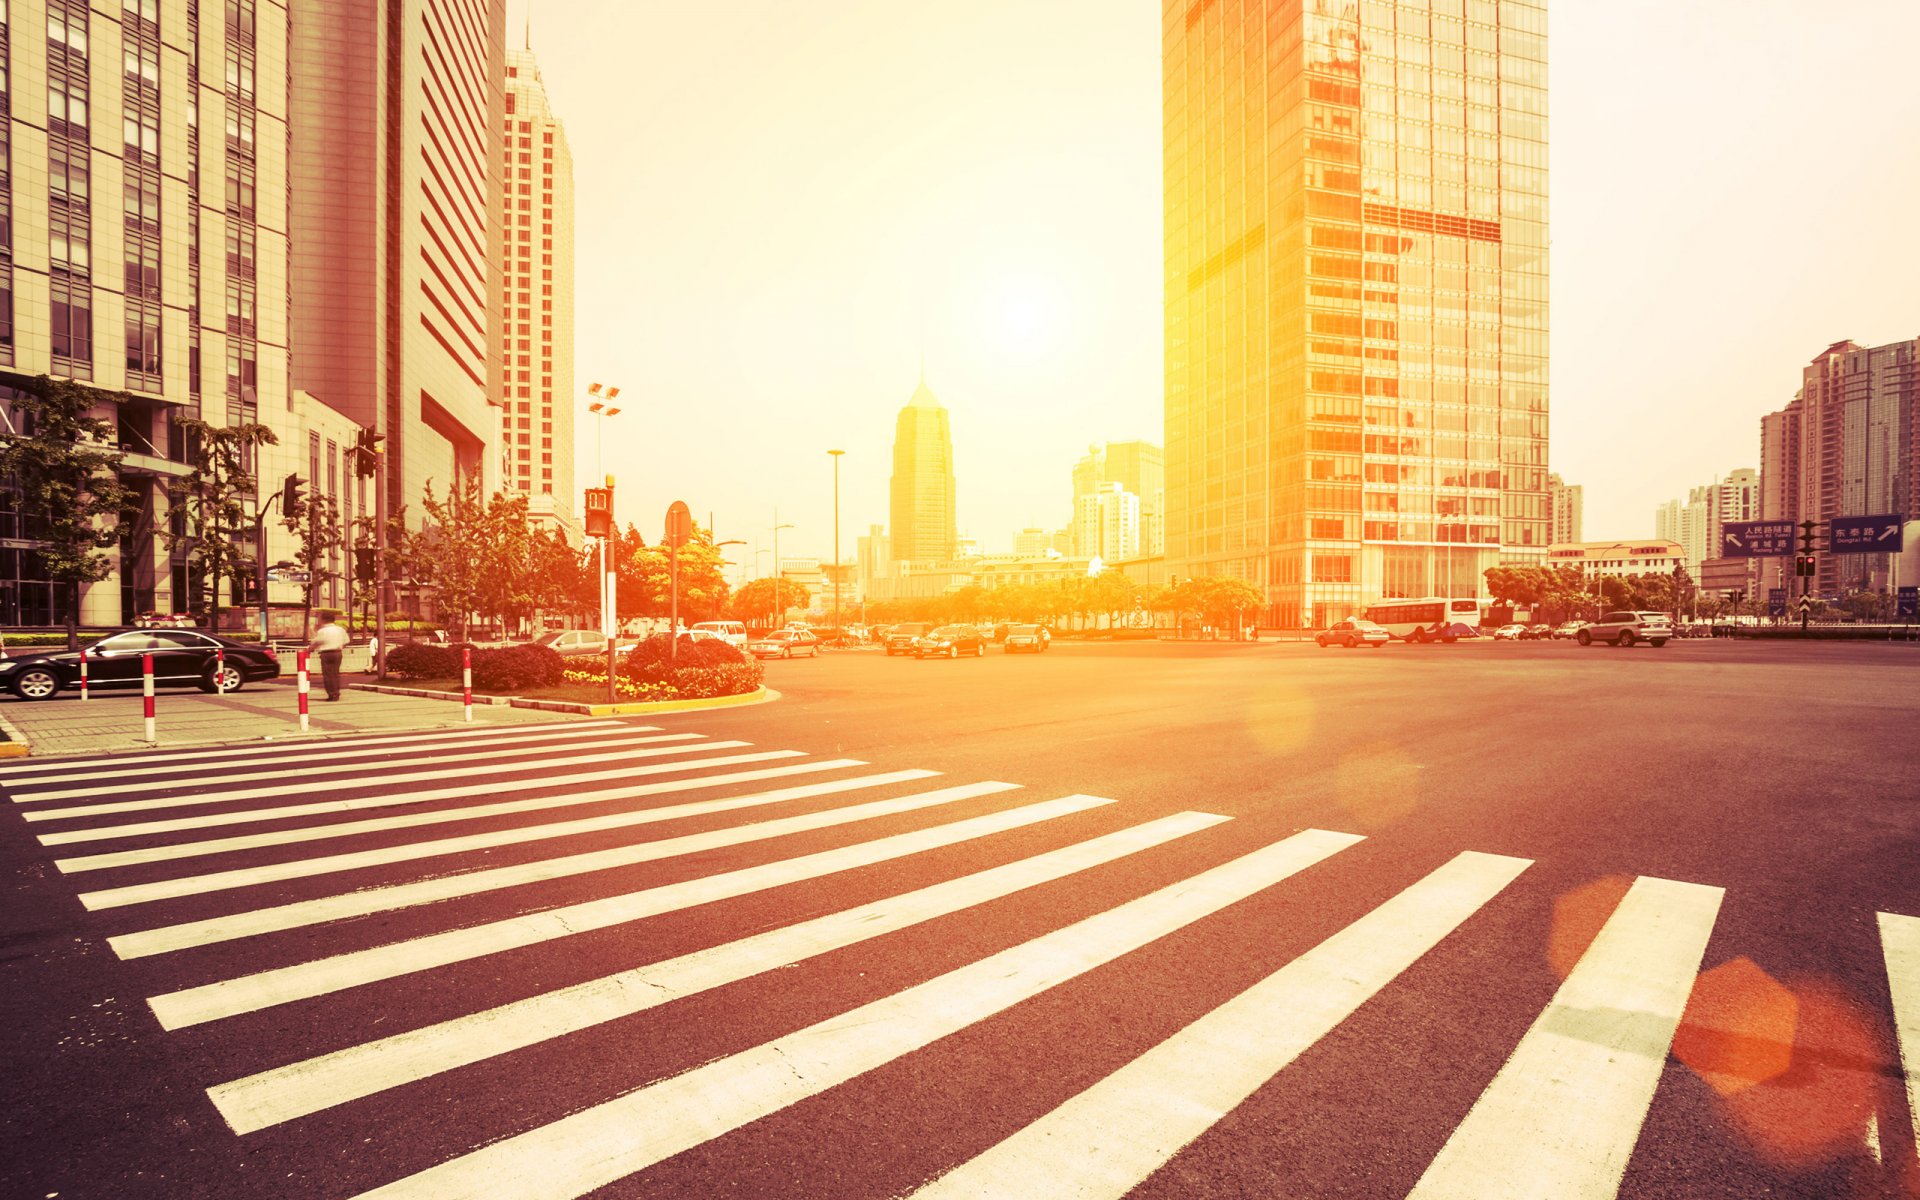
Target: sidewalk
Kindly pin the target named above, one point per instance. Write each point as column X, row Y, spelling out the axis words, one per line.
column 110, row 721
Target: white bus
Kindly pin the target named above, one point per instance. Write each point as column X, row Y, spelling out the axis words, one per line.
column 1425, row 619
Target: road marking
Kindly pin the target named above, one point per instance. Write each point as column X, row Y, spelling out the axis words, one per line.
column 1106, row 1141
column 1900, row 941
column 614, row 1139
column 311, row 833
column 398, row 799
column 322, row 909
column 305, row 868
column 1562, row 1116
column 470, row 770
column 302, row 981
column 25, row 771
column 298, row 1089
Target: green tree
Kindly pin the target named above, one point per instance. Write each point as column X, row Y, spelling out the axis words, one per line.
column 62, row 464
column 453, row 551
column 766, row 599
column 317, row 524
column 648, row 571
column 1112, row 594
column 214, row 497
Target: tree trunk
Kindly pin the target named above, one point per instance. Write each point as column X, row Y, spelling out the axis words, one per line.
column 73, row 617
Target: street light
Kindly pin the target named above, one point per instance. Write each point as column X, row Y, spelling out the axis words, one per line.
column 835, row 454
column 779, row 609
column 601, row 408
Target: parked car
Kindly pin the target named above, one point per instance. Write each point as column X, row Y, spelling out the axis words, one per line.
column 1569, row 630
column 784, row 643
column 572, row 643
column 1626, row 628
column 905, row 638
column 1354, row 631
column 951, row 641
column 167, row 620
column 1025, row 639
column 1537, row 633
column 1509, row 633
column 733, row 633
column 180, row 656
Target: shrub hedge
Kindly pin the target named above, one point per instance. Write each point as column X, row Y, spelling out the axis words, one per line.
column 497, row 671
column 705, row 668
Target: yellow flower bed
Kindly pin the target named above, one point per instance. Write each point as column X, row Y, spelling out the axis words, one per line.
column 626, row 689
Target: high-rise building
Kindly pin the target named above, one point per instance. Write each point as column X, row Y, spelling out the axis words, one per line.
column 1356, row 296
column 923, row 529
column 536, row 347
column 1032, row 542
column 1106, row 524
column 396, row 143
column 1566, row 502
column 147, row 257
column 1140, row 468
column 1690, row 523
column 875, row 557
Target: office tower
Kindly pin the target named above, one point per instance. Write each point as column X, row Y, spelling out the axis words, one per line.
column 1356, row 296
column 143, row 177
column 1140, row 468
column 875, row 557
column 923, row 529
column 1566, row 503
column 1032, row 542
column 1106, row 524
column 1847, row 445
column 396, row 116
column 536, row 346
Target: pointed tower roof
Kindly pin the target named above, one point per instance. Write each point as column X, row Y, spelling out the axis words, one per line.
column 922, row 396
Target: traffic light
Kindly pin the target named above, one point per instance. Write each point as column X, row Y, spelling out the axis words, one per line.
column 1804, row 565
column 1807, row 529
column 290, row 495
column 1735, row 596
column 363, row 564
column 366, row 453
column 1173, row 581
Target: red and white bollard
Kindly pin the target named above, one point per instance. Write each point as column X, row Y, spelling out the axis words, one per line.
column 219, row 670
column 301, row 673
column 466, row 679
column 146, row 692
column 83, row 675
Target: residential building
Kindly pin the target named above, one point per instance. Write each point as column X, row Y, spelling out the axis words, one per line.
column 143, row 180
column 1356, row 309
column 1653, row 556
column 922, row 528
column 1848, row 445
column 397, row 149
column 1138, row 467
column 1106, row 524
column 874, row 557
column 536, row 348
column 1032, row 543
column 1565, row 502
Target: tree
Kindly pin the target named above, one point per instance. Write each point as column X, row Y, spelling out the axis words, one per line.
column 63, row 466
column 647, row 577
column 317, row 523
column 558, row 573
column 213, row 498
column 761, row 599
column 1112, row 593
column 453, row 550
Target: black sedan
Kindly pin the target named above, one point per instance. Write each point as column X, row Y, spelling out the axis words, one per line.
column 1022, row 639
column 951, row 641
column 180, row 656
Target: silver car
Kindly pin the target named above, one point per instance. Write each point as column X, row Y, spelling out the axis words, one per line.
column 1627, row 628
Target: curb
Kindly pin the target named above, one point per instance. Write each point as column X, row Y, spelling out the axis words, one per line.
column 16, row 745
column 634, row 708
column 423, row 694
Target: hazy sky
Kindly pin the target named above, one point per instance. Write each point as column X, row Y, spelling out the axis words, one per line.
column 784, row 206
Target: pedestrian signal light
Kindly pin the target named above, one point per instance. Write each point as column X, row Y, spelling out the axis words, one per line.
column 363, row 564
column 290, row 495
column 366, row 453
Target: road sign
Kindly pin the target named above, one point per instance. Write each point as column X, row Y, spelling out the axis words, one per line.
column 1907, row 602
column 282, row 575
column 1865, row 535
column 1777, row 602
column 679, row 524
column 1756, row 539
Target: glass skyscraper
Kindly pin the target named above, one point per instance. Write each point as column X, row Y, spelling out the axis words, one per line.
column 923, row 529
column 1356, row 296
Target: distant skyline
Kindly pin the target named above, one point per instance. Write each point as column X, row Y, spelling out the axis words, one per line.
column 783, row 208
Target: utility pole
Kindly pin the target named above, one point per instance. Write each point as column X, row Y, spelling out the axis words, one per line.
column 379, row 557
column 836, row 537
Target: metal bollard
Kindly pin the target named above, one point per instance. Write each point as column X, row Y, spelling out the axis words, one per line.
column 301, row 687
column 219, row 670
column 466, row 679
column 83, row 675
column 146, row 692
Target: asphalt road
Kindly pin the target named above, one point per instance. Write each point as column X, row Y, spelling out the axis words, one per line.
column 1471, row 982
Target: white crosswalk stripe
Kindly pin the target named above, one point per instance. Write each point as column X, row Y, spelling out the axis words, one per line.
column 213, row 895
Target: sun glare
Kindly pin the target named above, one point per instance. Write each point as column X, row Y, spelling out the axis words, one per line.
column 1023, row 314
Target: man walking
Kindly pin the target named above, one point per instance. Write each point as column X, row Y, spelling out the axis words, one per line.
column 330, row 641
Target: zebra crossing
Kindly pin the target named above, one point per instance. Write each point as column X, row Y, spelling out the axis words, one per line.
column 225, row 860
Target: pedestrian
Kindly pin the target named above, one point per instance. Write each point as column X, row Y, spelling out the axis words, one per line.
column 373, row 655
column 330, row 641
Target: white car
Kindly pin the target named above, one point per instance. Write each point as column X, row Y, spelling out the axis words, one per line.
column 1509, row 633
column 733, row 633
column 784, row 643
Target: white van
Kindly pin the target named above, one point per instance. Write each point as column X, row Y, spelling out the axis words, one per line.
column 733, row 633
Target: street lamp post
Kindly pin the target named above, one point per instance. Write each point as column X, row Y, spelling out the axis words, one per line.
column 835, row 577
column 601, row 407
column 778, row 607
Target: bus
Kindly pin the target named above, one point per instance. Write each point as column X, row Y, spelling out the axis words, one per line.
column 1425, row 619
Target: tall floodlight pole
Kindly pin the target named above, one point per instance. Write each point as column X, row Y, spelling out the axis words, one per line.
column 836, row 535
column 779, row 609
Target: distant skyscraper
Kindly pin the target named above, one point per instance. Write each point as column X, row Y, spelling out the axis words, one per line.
column 1032, row 543
column 395, row 158
column 1696, row 523
column 875, row 557
column 1356, row 307
column 1139, row 467
column 922, row 511
column 1566, row 503
column 1106, row 523
column 536, row 410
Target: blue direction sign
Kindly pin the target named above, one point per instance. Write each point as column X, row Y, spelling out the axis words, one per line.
column 1776, row 602
column 1756, row 539
column 1907, row 602
column 1865, row 535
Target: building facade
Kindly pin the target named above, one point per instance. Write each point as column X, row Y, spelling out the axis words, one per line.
column 1653, row 556
column 1139, row 468
column 1696, row 523
column 144, row 185
column 1356, row 296
column 923, row 528
column 1566, row 502
column 536, row 344
column 1106, row 524
column 397, row 150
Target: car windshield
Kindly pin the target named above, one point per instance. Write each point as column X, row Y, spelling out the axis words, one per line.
column 548, row 639
column 951, row 631
column 1360, row 623
column 1023, row 630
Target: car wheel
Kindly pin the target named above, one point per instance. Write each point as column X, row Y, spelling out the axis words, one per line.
column 1656, row 643
column 1420, row 636
column 1449, row 640
column 787, row 653
column 36, row 683
column 1625, row 639
column 953, row 652
column 1584, row 638
column 980, row 651
column 224, row 678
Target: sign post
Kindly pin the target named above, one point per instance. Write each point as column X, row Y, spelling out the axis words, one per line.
column 679, row 532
